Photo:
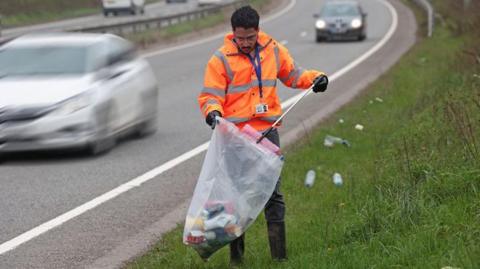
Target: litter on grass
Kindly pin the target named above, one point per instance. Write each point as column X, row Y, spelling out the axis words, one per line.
column 330, row 141
column 309, row 178
column 337, row 179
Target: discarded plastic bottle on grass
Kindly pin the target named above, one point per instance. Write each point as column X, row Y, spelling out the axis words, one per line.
column 330, row 140
column 310, row 178
column 337, row 179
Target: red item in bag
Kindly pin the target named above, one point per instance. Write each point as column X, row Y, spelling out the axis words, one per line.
column 255, row 135
column 195, row 237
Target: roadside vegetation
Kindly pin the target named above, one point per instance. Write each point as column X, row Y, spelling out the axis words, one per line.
column 149, row 38
column 19, row 13
column 411, row 180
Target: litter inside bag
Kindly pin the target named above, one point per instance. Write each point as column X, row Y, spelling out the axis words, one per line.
column 238, row 177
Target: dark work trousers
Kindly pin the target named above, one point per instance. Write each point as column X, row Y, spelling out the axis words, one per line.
column 274, row 209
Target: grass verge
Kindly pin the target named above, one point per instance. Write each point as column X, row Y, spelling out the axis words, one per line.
column 42, row 13
column 410, row 197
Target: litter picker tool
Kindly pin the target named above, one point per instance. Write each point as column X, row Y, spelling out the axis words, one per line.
column 284, row 114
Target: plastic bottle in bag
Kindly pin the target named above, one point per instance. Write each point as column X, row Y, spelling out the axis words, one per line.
column 213, row 210
column 310, row 178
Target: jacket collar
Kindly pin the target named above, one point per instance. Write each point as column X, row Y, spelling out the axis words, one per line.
column 231, row 47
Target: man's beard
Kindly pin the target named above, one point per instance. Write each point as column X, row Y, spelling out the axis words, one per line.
column 247, row 49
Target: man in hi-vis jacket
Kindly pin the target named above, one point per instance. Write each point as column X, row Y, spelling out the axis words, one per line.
column 240, row 86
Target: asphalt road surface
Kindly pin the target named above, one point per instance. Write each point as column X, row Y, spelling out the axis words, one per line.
column 39, row 188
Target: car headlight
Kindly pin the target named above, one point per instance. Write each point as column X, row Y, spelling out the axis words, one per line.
column 320, row 24
column 356, row 23
column 72, row 105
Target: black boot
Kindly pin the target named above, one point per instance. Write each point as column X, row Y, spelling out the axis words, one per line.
column 237, row 247
column 276, row 237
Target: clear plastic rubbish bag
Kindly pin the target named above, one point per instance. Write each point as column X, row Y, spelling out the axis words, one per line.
column 238, row 177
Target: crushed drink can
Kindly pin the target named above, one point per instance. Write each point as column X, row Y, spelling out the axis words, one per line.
column 195, row 237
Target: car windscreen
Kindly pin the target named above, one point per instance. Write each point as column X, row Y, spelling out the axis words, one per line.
column 50, row 60
column 339, row 10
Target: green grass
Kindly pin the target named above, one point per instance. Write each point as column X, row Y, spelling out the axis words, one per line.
column 17, row 13
column 411, row 192
column 46, row 16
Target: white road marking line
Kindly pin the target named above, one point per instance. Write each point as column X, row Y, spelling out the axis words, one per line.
column 284, row 42
column 303, row 34
column 35, row 232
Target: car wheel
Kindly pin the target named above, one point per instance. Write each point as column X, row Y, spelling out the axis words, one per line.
column 142, row 11
column 149, row 124
column 319, row 39
column 362, row 37
column 104, row 140
column 147, row 128
column 115, row 13
column 105, row 13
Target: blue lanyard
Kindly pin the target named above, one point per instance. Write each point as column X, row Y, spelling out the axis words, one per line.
column 258, row 67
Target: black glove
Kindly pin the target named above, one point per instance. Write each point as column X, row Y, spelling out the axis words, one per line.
column 210, row 119
column 320, row 84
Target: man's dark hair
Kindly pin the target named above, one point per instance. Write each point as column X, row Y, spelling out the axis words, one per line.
column 245, row 17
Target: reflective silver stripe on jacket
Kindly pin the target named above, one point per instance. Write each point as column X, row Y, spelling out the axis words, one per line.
column 239, row 88
column 277, row 60
column 298, row 74
column 237, row 120
column 220, row 56
column 210, row 102
column 270, row 119
column 290, row 75
column 266, row 83
column 214, row 91
column 295, row 73
column 246, row 87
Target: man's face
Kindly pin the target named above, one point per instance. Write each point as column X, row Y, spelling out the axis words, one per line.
column 245, row 38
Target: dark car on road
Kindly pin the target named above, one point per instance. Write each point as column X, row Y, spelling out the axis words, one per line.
column 343, row 19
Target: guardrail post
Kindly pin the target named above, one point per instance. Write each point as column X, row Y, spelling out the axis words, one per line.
column 425, row 4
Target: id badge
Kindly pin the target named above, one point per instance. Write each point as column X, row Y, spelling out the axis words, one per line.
column 261, row 108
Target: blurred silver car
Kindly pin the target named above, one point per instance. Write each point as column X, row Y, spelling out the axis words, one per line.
column 176, row 1
column 115, row 6
column 342, row 19
column 210, row 2
column 70, row 90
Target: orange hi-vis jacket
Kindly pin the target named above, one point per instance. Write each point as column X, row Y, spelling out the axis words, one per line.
column 231, row 85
